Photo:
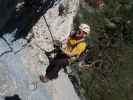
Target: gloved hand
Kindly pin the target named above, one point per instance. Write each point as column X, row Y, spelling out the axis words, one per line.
column 57, row 44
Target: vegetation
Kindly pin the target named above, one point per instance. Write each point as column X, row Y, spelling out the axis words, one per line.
column 109, row 68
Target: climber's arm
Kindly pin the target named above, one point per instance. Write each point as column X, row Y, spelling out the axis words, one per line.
column 76, row 51
column 70, row 54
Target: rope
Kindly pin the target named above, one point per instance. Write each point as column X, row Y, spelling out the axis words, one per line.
column 48, row 28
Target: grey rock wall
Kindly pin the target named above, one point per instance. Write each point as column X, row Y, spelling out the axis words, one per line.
column 21, row 66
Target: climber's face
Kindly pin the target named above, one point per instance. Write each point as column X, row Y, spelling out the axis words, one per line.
column 81, row 34
column 84, row 34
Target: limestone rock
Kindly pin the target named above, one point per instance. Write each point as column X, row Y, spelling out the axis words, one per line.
column 22, row 69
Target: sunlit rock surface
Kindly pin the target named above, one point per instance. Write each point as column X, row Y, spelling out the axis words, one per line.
column 21, row 66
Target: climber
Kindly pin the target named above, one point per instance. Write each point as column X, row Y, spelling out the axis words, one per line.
column 75, row 46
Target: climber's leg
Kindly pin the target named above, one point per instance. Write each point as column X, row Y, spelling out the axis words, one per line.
column 58, row 64
column 53, row 69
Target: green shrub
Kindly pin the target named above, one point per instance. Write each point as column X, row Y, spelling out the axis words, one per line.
column 116, row 20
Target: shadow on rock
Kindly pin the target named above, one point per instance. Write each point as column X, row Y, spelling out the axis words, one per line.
column 14, row 97
column 24, row 18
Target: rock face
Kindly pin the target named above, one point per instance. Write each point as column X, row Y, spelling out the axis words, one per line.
column 22, row 63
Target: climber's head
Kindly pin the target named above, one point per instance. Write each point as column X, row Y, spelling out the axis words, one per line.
column 84, row 30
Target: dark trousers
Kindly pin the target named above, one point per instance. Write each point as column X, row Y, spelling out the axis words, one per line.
column 60, row 61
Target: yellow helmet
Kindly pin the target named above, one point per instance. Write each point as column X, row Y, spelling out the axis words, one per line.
column 85, row 28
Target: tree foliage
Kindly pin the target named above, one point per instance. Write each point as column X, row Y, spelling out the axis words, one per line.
column 108, row 70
